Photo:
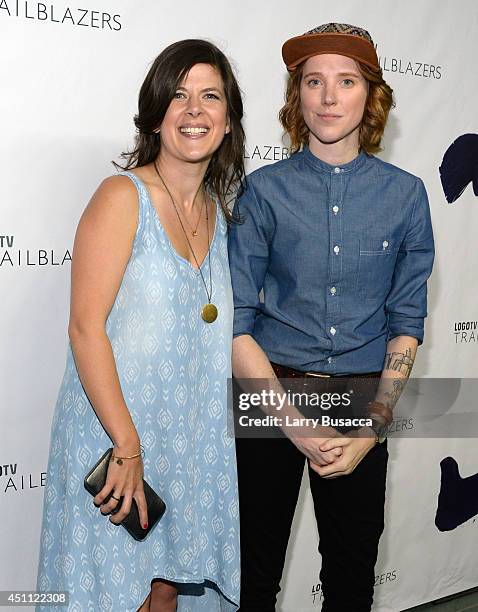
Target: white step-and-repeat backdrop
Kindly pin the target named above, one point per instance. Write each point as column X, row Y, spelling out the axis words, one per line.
column 69, row 83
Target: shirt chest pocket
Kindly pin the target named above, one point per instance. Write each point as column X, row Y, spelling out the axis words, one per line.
column 377, row 258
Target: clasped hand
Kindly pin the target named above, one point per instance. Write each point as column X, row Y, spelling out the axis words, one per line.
column 339, row 455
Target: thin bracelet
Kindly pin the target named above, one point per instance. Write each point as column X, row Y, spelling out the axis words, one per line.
column 119, row 460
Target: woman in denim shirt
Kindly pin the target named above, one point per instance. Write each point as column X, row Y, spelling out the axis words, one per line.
column 341, row 245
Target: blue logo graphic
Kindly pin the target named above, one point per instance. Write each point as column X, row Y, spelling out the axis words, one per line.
column 460, row 167
column 458, row 497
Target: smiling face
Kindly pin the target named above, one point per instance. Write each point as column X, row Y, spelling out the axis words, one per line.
column 333, row 93
column 196, row 121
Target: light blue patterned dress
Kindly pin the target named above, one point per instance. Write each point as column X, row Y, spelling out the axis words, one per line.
column 173, row 368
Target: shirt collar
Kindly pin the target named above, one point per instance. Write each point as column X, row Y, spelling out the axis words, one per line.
column 319, row 164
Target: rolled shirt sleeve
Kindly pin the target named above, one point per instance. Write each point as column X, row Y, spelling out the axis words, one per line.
column 406, row 303
column 248, row 259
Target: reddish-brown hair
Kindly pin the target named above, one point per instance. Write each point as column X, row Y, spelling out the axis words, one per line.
column 377, row 106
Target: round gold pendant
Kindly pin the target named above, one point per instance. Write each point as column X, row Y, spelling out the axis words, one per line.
column 209, row 313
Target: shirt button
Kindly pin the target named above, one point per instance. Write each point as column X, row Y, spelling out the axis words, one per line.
column 385, row 244
column 329, row 359
column 335, row 209
column 332, row 331
column 336, row 249
column 336, row 170
column 333, row 290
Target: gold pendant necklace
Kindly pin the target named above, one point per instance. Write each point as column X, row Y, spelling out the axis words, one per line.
column 195, row 230
column 209, row 311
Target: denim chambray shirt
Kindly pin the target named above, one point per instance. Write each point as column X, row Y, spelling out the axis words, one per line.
column 342, row 254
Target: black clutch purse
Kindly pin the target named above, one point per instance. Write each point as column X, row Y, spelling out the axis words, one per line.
column 95, row 480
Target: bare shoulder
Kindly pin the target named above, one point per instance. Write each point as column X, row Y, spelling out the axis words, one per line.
column 114, row 204
column 111, row 215
column 103, row 246
column 117, row 193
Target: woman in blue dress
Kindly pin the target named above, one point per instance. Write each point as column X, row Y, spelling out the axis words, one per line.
column 150, row 353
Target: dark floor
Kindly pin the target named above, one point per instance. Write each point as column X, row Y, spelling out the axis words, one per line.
column 467, row 602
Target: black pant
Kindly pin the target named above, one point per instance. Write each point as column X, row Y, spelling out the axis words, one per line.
column 349, row 512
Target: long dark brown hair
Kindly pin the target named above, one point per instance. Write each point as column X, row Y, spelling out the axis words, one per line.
column 225, row 172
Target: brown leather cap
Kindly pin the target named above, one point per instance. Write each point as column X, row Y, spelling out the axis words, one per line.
column 338, row 38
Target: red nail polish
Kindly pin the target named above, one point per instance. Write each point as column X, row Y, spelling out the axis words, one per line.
column 145, row 526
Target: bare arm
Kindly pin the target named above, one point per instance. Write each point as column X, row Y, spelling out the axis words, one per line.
column 398, row 364
column 101, row 252
column 399, row 360
column 250, row 362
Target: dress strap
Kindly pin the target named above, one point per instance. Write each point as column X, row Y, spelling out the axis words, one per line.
column 143, row 198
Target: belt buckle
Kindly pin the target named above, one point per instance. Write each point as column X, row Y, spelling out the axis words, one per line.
column 315, row 375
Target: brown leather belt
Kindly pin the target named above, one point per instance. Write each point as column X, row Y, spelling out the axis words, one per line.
column 364, row 392
column 286, row 372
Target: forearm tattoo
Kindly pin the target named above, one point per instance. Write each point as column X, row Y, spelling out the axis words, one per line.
column 392, row 396
column 400, row 362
